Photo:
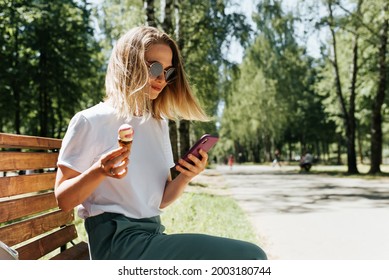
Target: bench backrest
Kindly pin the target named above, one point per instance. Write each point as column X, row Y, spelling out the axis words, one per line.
column 30, row 220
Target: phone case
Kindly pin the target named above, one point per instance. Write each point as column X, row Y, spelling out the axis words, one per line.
column 206, row 142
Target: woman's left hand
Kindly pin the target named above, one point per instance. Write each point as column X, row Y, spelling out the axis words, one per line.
column 175, row 188
column 191, row 170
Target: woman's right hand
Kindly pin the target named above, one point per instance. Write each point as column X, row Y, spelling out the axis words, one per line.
column 72, row 187
column 114, row 163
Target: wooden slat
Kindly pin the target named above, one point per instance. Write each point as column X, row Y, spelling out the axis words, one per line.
column 21, row 184
column 21, row 207
column 31, row 142
column 79, row 251
column 47, row 244
column 19, row 232
column 20, row 199
column 10, row 161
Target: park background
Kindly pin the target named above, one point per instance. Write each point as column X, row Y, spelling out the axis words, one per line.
column 289, row 75
column 292, row 76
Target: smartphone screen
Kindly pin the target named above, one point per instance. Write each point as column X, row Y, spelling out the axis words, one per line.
column 206, row 142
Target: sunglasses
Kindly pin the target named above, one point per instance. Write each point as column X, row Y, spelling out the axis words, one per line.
column 156, row 70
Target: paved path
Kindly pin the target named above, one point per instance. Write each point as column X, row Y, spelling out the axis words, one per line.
column 312, row 217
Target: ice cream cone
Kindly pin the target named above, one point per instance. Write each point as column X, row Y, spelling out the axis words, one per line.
column 125, row 135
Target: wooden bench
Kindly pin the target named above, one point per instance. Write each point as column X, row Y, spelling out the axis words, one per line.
column 30, row 220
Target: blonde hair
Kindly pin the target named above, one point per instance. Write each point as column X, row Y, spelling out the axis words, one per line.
column 127, row 77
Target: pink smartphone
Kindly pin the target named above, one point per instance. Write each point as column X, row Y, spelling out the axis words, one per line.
column 206, row 142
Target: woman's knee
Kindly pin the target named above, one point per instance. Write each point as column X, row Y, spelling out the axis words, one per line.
column 256, row 253
column 248, row 251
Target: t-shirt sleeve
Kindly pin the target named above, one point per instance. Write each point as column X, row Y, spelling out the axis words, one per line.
column 77, row 149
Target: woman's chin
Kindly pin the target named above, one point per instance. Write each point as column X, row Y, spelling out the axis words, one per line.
column 154, row 93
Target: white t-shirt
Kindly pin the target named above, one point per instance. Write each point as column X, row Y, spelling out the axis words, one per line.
column 92, row 133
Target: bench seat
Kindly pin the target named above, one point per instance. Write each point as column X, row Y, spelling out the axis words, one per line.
column 30, row 220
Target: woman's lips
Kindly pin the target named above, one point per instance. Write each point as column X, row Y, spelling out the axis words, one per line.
column 156, row 88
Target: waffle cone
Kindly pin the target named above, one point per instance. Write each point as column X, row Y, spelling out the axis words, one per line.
column 127, row 144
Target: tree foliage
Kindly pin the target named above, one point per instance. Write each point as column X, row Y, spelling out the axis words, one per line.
column 273, row 103
column 49, row 65
column 358, row 30
column 54, row 54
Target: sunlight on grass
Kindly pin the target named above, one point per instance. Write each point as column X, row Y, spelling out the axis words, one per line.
column 209, row 214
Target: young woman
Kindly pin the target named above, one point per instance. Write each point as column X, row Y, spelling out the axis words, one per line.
column 122, row 192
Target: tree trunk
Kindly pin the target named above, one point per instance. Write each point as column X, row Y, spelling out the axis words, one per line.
column 184, row 126
column 256, row 152
column 150, row 12
column 42, row 79
column 167, row 26
column 184, row 137
column 174, row 143
column 349, row 117
column 360, row 150
column 339, row 151
column 351, row 149
column 42, row 94
column 15, row 78
column 267, row 146
column 376, row 124
column 289, row 151
column 167, row 23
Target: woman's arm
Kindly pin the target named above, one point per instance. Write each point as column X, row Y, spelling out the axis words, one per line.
column 72, row 187
column 175, row 188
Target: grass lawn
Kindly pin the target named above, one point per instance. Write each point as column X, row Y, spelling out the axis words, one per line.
column 210, row 214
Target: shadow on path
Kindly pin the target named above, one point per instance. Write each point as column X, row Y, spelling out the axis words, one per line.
column 311, row 216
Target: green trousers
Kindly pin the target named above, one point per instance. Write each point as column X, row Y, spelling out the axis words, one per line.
column 116, row 237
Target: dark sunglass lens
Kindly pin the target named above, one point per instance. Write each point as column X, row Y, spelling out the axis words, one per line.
column 156, row 69
column 170, row 75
